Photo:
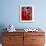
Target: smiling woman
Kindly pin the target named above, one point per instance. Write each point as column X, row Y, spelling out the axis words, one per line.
column 26, row 13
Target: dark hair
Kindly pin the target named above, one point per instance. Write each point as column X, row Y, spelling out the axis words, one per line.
column 27, row 7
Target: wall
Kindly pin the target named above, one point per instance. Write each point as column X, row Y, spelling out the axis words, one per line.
column 10, row 13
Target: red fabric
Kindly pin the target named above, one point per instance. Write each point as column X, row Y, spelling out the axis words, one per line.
column 23, row 15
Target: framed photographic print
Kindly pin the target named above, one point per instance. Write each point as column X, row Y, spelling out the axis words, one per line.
column 26, row 13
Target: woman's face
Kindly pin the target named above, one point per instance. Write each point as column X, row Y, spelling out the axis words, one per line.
column 28, row 11
column 24, row 8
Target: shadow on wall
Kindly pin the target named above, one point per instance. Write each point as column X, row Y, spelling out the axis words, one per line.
column 2, row 26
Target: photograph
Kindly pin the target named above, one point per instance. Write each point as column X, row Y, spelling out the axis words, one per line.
column 26, row 13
